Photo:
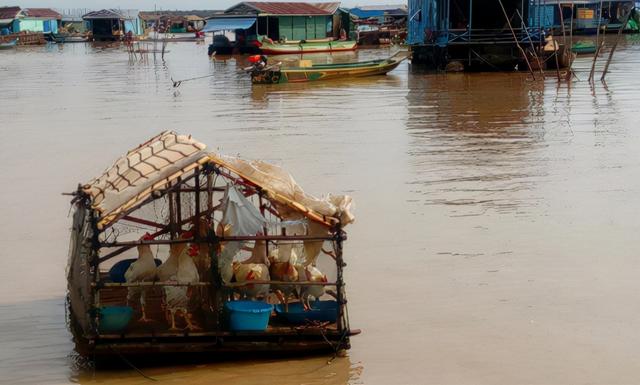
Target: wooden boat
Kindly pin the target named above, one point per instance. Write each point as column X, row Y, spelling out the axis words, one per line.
column 62, row 38
column 305, row 47
column 188, row 302
column 9, row 44
column 277, row 75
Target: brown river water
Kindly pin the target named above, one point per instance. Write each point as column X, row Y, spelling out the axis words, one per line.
column 497, row 226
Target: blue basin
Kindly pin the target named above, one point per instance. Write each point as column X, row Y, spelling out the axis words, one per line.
column 114, row 318
column 248, row 315
column 322, row 311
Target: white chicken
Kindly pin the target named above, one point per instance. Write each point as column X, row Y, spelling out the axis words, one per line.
column 285, row 271
column 142, row 270
column 310, row 274
column 245, row 272
column 179, row 268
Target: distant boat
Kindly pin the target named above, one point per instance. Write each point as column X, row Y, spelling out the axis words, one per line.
column 584, row 47
column 69, row 38
column 306, row 47
column 306, row 72
column 9, row 44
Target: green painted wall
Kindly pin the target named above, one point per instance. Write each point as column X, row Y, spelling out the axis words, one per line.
column 299, row 28
column 284, row 27
column 303, row 27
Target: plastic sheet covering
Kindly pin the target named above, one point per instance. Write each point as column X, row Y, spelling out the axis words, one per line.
column 150, row 166
column 276, row 181
column 242, row 215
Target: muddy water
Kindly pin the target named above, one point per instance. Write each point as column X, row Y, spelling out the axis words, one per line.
column 496, row 240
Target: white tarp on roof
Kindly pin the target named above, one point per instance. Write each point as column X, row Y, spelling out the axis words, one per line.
column 276, row 181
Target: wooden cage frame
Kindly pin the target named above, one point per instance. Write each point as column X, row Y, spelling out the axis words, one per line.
column 86, row 283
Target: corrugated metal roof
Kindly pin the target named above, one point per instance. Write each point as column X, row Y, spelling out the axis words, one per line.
column 104, row 14
column 9, row 12
column 288, row 8
column 126, row 14
column 42, row 13
column 329, row 7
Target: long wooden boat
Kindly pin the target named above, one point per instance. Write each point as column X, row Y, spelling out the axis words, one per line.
column 279, row 75
column 269, row 48
column 9, row 44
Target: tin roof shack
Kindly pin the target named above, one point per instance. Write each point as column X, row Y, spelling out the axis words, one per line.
column 381, row 14
column 113, row 24
column 380, row 24
column 72, row 21
column 7, row 17
column 283, row 21
column 178, row 21
column 43, row 20
column 211, row 221
column 475, row 34
column 584, row 16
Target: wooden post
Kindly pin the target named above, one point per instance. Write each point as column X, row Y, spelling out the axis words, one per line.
column 339, row 278
column 570, row 71
column 172, row 215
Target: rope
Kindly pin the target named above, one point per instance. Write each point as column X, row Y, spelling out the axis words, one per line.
column 131, row 365
column 176, row 83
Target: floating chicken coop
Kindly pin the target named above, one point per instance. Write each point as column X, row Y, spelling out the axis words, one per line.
column 175, row 249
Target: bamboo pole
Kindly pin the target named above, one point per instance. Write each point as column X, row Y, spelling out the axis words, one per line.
column 570, row 71
column 615, row 45
column 533, row 48
column 598, row 44
column 515, row 38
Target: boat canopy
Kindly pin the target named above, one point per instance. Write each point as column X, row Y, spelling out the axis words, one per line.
column 228, row 24
column 158, row 163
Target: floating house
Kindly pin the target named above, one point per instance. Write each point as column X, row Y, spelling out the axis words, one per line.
column 476, row 34
column 43, row 20
column 382, row 14
column 282, row 21
column 113, row 24
column 7, row 17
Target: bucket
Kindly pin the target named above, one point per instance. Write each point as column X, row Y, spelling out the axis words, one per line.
column 114, row 318
column 248, row 315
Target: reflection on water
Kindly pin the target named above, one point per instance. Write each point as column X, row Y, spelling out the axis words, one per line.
column 497, row 217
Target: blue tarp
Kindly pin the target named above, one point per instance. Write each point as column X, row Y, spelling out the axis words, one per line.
column 229, row 24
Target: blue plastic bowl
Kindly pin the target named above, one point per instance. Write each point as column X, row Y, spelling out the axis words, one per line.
column 116, row 273
column 114, row 318
column 248, row 315
column 322, row 311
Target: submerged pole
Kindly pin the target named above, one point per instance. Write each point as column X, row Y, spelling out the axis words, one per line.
column 533, row 48
column 598, row 44
column 615, row 45
column 515, row 38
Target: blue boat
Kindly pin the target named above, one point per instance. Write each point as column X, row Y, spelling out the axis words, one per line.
column 9, row 44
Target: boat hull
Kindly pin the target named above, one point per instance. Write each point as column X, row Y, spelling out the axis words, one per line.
column 307, row 48
column 9, row 45
column 326, row 72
